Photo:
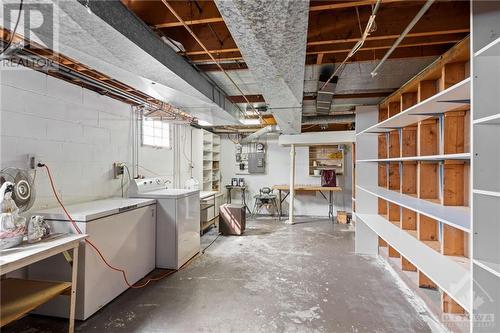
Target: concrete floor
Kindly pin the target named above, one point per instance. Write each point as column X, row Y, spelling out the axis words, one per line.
column 276, row 278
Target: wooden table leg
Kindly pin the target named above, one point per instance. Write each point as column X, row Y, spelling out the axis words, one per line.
column 279, row 210
column 72, row 303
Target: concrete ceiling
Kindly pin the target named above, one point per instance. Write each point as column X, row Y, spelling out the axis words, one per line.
column 271, row 36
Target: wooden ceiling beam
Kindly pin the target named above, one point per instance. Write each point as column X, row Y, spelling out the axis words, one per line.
column 347, row 4
column 189, row 22
column 349, row 40
column 250, row 98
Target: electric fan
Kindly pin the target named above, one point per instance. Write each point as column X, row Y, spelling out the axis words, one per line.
column 17, row 195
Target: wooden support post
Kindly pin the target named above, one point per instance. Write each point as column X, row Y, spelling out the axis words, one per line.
column 426, row 89
column 407, row 266
column 382, row 146
column 450, row 306
column 425, row 282
column 453, row 243
column 393, row 253
column 451, row 74
column 454, row 183
column 291, row 217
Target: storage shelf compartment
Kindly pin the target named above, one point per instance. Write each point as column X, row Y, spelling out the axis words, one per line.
column 464, row 157
column 487, row 231
column 428, row 181
column 22, row 296
column 458, row 217
column 442, row 270
column 458, row 95
column 486, row 83
column 486, row 158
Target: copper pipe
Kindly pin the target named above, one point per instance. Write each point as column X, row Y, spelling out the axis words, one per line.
column 207, row 52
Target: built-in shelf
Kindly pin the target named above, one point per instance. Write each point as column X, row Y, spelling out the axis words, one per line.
column 445, row 272
column 489, row 266
column 490, row 120
column 456, row 216
column 464, row 156
column 448, row 99
column 490, row 50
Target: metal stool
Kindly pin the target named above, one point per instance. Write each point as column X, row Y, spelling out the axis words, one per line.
column 265, row 197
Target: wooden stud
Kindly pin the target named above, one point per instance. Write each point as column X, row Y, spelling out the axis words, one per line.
column 451, row 74
column 425, row 282
column 450, row 306
column 394, row 215
column 428, row 133
column 453, row 243
column 408, row 100
column 407, row 266
column 454, row 130
column 408, row 219
column 382, row 174
column 428, row 180
column 409, row 178
column 382, row 146
column 393, row 253
column 394, row 148
column 409, row 141
column 383, row 114
column 394, row 179
column 381, row 242
column 427, row 228
column 426, row 89
column 382, row 207
column 394, row 108
column 454, row 183
column 319, row 59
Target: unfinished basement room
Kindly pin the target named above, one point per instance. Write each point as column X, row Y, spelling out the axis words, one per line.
column 250, row 166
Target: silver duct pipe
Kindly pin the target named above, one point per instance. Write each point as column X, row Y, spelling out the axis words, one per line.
column 403, row 35
column 263, row 131
column 318, row 120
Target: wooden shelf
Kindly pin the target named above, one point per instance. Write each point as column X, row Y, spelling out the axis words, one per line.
column 445, row 272
column 18, row 297
column 451, row 98
column 456, row 216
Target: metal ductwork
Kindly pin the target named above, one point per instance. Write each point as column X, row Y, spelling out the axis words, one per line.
column 326, row 89
column 263, row 131
column 340, row 119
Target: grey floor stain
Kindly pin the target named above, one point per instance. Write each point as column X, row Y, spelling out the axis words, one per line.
column 276, row 278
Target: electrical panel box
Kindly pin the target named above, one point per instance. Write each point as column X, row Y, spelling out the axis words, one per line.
column 257, row 162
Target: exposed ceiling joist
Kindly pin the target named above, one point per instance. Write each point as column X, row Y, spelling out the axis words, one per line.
column 189, row 22
column 348, row 4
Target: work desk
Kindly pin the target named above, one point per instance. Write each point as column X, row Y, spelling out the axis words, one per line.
column 18, row 296
column 307, row 188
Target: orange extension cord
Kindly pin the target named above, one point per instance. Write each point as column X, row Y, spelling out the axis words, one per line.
column 95, row 247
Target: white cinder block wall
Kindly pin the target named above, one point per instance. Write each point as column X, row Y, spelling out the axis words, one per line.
column 77, row 132
column 278, row 172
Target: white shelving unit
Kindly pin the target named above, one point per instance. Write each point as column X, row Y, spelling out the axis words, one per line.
column 486, row 167
column 207, row 145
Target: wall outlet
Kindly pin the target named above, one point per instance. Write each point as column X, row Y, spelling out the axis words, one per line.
column 33, row 161
column 118, row 169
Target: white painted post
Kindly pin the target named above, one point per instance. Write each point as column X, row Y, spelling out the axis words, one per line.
column 292, row 185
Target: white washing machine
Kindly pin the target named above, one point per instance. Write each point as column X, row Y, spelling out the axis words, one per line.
column 177, row 220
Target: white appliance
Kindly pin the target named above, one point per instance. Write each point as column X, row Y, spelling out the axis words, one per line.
column 123, row 230
column 177, row 221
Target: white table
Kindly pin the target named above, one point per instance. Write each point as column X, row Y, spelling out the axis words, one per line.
column 18, row 296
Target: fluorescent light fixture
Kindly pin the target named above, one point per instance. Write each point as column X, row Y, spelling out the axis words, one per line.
column 250, row 121
column 204, row 123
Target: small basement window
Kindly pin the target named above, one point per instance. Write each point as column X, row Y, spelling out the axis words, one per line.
column 155, row 133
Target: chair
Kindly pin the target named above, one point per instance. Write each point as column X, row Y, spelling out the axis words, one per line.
column 266, row 197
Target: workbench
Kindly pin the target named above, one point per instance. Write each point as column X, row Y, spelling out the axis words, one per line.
column 19, row 296
column 307, row 188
